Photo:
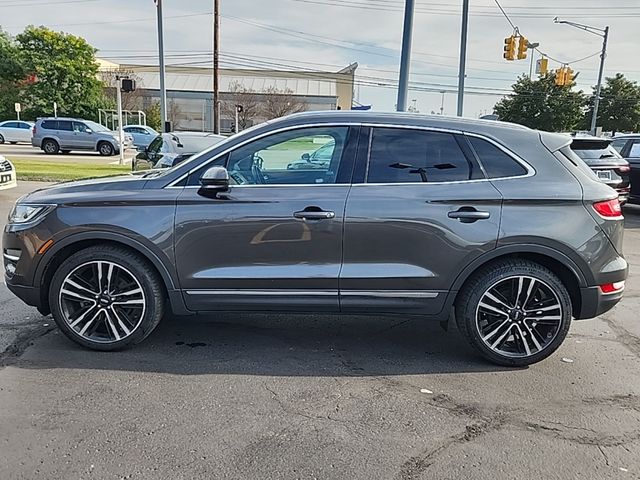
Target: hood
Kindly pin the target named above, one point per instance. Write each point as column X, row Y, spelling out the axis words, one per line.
column 85, row 189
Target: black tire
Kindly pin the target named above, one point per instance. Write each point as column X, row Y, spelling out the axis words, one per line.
column 50, row 146
column 1, row 139
column 149, row 281
column 106, row 149
column 549, row 332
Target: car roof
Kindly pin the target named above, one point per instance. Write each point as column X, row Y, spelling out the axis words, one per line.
column 195, row 134
column 626, row 135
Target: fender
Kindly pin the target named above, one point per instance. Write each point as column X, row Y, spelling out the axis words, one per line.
column 168, row 277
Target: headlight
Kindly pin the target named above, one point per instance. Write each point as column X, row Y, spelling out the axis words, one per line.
column 23, row 213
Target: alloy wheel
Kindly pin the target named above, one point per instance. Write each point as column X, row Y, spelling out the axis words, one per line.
column 519, row 316
column 102, row 301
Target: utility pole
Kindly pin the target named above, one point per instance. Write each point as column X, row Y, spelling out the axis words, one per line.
column 463, row 55
column 600, row 32
column 163, row 91
column 216, row 72
column 405, row 57
column 120, row 130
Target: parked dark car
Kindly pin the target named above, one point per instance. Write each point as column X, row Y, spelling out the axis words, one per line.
column 629, row 148
column 606, row 162
column 422, row 216
column 169, row 149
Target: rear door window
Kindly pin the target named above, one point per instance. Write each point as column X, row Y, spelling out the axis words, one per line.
column 401, row 155
column 496, row 162
column 65, row 125
column 50, row 124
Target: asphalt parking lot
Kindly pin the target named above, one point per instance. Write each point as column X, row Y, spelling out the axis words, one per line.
column 274, row 396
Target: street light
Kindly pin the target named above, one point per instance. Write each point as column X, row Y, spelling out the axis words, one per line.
column 532, row 46
column 600, row 32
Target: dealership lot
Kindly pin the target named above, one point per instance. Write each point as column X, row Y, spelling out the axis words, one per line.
column 275, row 396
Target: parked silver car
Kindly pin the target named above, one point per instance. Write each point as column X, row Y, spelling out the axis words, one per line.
column 55, row 135
column 14, row 131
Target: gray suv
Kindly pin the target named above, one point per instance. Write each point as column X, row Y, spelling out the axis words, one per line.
column 55, row 135
column 498, row 226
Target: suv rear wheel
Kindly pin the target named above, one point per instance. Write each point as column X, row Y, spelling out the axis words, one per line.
column 515, row 312
column 106, row 298
column 50, row 146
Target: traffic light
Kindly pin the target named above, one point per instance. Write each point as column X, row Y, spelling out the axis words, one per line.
column 568, row 76
column 562, row 76
column 542, row 66
column 523, row 46
column 509, row 48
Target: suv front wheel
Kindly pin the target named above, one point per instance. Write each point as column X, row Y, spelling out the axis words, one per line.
column 106, row 298
column 515, row 312
column 106, row 149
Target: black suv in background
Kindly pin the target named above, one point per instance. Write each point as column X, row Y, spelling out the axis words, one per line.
column 606, row 162
column 629, row 148
column 419, row 216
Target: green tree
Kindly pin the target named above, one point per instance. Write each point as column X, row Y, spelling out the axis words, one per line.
column 619, row 109
column 11, row 73
column 153, row 116
column 65, row 72
column 542, row 104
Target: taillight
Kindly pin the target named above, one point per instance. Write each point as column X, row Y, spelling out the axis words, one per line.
column 608, row 208
column 624, row 168
column 33, row 130
column 612, row 287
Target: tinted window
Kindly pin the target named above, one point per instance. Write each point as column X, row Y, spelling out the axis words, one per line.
column 50, row 124
column 25, row 126
column 10, row 125
column 594, row 150
column 635, row 150
column 65, row 125
column 400, row 155
column 496, row 162
column 619, row 144
column 288, row 158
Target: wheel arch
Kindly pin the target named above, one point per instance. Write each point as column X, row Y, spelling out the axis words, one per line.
column 63, row 249
column 568, row 271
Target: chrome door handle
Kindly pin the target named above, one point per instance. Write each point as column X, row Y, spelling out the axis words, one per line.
column 468, row 215
column 314, row 214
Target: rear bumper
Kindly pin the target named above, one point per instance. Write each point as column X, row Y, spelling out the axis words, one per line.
column 595, row 303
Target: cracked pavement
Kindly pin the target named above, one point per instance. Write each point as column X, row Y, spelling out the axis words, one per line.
column 290, row 396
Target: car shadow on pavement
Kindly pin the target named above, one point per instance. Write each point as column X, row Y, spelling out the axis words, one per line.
column 275, row 345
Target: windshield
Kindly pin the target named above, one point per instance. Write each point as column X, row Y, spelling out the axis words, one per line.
column 96, row 127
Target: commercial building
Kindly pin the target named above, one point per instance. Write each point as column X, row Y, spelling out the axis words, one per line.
column 190, row 92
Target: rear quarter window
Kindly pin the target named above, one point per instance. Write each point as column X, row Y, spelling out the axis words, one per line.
column 50, row 125
column 496, row 162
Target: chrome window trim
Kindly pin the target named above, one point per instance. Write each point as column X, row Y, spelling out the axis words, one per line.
column 258, row 137
column 530, row 170
column 390, row 293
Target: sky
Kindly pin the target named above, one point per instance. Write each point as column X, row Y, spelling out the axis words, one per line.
column 331, row 34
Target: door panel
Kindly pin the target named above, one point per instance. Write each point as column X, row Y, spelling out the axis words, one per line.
column 405, row 241
column 274, row 240
column 246, row 249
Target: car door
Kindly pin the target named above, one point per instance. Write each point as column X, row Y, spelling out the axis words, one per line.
column 65, row 134
column 10, row 132
column 82, row 139
column 25, row 132
column 274, row 240
column 421, row 212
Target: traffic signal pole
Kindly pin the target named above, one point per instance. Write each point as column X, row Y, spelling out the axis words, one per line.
column 405, row 57
column 596, row 101
column 463, row 55
column 163, row 91
column 216, row 71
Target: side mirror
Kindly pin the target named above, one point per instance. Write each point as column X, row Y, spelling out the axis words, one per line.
column 306, row 157
column 215, row 180
column 88, row 130
column 141, row 148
